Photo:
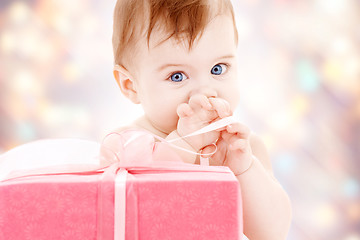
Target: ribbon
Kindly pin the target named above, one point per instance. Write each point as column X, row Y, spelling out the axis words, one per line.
column 211, row 127
column 120, row 209
column 128, row 149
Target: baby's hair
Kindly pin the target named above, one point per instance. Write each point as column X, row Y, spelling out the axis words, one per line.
column 181, row 19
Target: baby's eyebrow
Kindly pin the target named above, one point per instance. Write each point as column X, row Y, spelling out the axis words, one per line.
column 162, row 67
column 226, row 56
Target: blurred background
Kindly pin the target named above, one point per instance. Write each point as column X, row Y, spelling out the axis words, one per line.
column 299, row 81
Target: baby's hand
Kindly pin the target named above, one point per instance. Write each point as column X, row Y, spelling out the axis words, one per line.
column 233, row 148
column 198, row 113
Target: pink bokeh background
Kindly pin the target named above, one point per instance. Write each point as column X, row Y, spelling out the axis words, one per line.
column 299, row 81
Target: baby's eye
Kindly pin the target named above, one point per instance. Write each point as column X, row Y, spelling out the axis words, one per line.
column 178, row 77
column 218, row 69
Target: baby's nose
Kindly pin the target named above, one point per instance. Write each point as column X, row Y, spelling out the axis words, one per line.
column 205, row 90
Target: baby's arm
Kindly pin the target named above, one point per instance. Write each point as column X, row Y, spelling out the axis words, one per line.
column 266, row 206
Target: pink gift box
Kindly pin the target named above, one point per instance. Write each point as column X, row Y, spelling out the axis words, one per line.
column 193, row 202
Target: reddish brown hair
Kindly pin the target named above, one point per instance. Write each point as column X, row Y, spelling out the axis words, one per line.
column 181, row 19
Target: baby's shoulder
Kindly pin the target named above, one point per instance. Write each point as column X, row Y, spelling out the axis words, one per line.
column 256, row 141
column 125, row 128
column 133, row 126
column 137, row 125
column 259, row 150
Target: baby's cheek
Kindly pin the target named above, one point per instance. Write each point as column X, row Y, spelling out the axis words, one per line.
column 235, row 103
column 167, row 118
column 233, row 98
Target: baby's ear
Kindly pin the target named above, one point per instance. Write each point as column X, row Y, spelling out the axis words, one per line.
column 126, row 83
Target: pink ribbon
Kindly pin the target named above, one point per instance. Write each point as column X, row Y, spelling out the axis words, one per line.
column 127, row 145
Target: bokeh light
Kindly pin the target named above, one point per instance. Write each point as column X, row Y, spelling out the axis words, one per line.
column 299, row 80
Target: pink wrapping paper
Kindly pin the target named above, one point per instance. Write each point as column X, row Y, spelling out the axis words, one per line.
column 164, row 198
column 203, row 203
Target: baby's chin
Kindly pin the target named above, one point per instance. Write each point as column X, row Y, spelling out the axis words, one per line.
column 163, row 129
column 166, row 130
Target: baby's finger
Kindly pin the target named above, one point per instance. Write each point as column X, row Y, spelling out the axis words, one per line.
column 239, row 144
column 239, row 129
column 221, row 106
column 184, row 110
column 235, row 142
column 199, row 100
column 230, row 138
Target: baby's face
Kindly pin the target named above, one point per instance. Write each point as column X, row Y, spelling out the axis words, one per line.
column 169, row 74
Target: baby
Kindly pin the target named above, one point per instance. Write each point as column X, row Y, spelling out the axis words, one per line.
column 177, row 58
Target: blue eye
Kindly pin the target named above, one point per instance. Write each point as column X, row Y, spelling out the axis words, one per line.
column 177, row 77
column 218, row 69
